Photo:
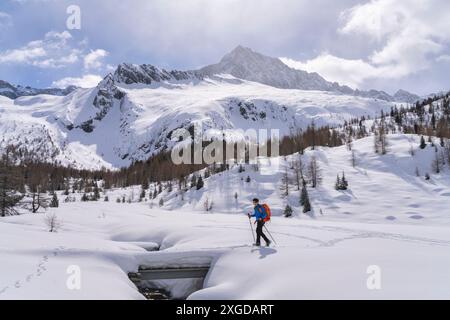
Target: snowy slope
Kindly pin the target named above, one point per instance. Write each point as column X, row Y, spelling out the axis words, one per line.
column 382, row 188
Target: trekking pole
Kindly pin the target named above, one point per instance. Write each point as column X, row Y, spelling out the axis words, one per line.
column 270, row 235
column 251, row 227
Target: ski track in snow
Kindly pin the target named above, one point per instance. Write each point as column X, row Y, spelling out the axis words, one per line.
column 356, row 234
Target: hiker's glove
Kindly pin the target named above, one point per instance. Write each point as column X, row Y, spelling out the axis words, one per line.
column 249, row 216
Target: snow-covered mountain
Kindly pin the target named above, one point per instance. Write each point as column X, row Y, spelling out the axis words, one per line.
column 244, row 63
column 13, row 92
column 133, row 111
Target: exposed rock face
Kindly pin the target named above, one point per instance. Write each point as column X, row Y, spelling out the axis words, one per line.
column 147, row 74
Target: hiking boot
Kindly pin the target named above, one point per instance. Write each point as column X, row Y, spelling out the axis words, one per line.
column 268, row 243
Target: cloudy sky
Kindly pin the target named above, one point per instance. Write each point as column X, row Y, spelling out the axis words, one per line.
column 380, row 44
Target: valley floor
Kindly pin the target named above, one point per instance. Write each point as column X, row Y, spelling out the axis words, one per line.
column 314, row 258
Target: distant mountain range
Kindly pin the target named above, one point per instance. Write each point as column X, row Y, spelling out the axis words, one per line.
column 13, row 92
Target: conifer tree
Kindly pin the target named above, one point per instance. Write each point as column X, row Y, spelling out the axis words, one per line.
column 423, row 144
column 306, row 203
column 199, row 183
column 337, row 185
column 303, row 195
column 9, row 197
column 287, row 211
column 54, row 203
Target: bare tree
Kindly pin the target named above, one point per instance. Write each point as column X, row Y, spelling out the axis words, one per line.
column 380, row 139
column 285, row 183
column 314, row 173
column 353, row 159
column 52, row 222
column 298, row 168
column 436, row 165
column 39, row 199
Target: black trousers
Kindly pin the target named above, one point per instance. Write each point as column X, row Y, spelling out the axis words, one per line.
column 260, row 233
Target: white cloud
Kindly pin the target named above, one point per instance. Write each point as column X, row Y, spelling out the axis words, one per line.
column 444, row 58
column 86, row 81
column 410, row 36
column 54, row 51
column 344, row 71
column 94, row 59
column 5, row 20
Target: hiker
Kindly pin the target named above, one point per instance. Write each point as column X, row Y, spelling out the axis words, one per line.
column 260, row 215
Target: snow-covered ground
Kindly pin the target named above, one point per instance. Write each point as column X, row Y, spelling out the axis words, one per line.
column 389, row 222
column 314, row 258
